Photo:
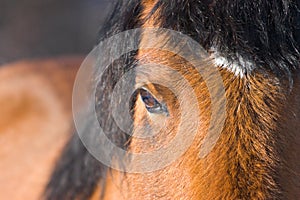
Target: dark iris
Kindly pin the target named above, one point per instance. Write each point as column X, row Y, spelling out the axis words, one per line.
column 151, row 104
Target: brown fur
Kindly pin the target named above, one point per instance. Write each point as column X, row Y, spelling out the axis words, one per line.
column 247, row 159
column 35, row 118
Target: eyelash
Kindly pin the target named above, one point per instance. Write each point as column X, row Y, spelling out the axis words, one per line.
column 151, row 104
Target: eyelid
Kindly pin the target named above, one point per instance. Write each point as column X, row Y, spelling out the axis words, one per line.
column 158, row 98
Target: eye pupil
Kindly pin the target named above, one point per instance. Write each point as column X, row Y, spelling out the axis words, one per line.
column 151, row 104
column 148, row 99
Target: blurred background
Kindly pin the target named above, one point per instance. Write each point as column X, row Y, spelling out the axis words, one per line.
column 47, row 28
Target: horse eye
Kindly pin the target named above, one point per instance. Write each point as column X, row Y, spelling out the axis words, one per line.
column 151, row 104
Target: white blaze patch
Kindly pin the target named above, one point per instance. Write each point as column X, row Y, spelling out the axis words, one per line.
column 239, row 67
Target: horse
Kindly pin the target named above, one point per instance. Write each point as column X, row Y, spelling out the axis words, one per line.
column 254, row 46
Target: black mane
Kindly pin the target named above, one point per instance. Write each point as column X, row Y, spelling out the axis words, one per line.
column 265, row 32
